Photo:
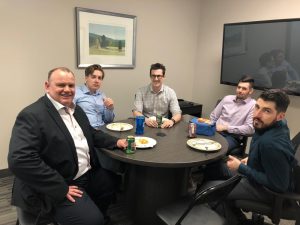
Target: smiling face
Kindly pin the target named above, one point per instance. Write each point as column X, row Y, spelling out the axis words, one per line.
column 265, row 114
column 93, row 81
column 243, row 90
column 61, row 87
column 157, row 78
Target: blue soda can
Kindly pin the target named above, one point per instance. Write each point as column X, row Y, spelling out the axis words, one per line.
column 139, row 125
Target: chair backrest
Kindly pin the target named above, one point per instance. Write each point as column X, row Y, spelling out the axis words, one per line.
column 296, row 178
column 296, row 143
column 217, row 192
column 211, row 194
column 296, row 169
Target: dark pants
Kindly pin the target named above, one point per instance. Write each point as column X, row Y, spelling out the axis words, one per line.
column 232, row 140
column 216, row 171
column 98, row 188
column 244, row 190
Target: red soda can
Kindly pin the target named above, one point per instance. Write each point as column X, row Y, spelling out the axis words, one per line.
column 192, row 130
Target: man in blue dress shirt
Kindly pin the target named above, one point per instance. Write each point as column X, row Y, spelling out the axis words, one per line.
column 98, row 108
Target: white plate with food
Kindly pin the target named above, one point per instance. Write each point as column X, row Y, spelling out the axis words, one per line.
column 119, row 126
column 144, row 142
column 203, row 144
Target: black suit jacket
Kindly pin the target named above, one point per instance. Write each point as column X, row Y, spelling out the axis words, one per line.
column 42, row 154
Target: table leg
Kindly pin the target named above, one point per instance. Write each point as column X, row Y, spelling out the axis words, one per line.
column 150, row 188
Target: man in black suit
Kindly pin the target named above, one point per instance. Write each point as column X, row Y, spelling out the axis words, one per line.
column 52, row 155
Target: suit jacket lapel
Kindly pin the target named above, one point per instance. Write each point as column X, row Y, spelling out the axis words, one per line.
column 53, row 113
column 84, row 124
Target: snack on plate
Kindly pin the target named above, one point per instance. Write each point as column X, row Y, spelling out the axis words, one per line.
column 143, row 141
column 203, row 120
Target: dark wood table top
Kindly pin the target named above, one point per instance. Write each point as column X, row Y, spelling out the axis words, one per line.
column 171, row 150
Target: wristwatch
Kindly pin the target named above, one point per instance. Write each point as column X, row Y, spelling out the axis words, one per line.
column 173, row 121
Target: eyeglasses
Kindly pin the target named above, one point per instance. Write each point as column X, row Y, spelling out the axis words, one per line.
column 156, row 76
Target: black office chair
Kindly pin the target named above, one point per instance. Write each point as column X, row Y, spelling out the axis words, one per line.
column 193, row 210
column 296, row 143
column 26, row 218
column 285, row 205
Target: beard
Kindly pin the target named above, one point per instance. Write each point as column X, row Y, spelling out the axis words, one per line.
column 260, row 126
column 241, row 96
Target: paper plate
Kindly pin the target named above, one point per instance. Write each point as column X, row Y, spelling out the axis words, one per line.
column 144, row 142
column 203, row 144
column 119, row 126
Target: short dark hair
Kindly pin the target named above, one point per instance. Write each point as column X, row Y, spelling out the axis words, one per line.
column 247, row 79
column 279, row 97
column 64, row 69
column 90, row 70
column 157, row 66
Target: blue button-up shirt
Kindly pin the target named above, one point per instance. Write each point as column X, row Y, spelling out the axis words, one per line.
column 92, row 104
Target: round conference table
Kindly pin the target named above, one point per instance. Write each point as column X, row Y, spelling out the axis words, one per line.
column 159, row 175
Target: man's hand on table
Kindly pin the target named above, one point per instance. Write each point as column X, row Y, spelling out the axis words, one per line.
column 122, row 143
column 167, row 124
column 150, row 122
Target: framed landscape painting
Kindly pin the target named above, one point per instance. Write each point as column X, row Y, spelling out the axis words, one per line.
column 105, row 38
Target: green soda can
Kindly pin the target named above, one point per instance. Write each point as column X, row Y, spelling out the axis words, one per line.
column 159, row 120
column 131, row 145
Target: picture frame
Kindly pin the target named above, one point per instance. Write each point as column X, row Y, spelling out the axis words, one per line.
column 235, row 40
column 105, row 38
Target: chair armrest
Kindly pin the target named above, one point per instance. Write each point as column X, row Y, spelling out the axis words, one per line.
column 286, row 195
column 278, row 204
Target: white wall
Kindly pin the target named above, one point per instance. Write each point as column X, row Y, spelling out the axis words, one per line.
column 37, row 36
column 185, row 35
column 213, row 14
